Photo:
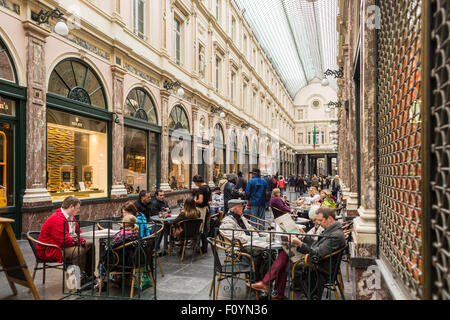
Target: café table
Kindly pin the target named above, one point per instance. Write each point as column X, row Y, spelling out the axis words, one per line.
column 96, row 236
column 164, row 221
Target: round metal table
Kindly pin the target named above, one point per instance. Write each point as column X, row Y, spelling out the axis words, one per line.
column 165, row 220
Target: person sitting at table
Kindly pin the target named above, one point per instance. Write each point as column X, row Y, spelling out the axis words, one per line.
column 159, row 204
column 327, row 200
column 129, row 231
column 277, row 204
column 130, row 209
column 314, row 246
column 317, row 229
column 143, row 203
column 217, row 201
column 236, row 226
column 61, row 229
column 189, row 211
column 314, row 197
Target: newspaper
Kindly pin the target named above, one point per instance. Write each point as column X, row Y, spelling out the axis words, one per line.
column 284, row 223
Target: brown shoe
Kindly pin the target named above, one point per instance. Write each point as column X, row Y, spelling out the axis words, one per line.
column 260, row 286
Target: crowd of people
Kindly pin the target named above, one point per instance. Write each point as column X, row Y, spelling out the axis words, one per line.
column 234, row 196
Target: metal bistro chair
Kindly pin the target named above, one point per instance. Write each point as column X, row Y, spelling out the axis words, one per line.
column 191, row 232
column 336, row 277
column 108, row 223
column 129, row 258
column 231, row 267
column 33, row 237
column 347, row 227
column 157, row 235
column 257, row 222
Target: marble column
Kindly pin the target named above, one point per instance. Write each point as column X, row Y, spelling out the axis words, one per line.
column 165, row 141
column 36, row 193
column 307, row 164
column 211, row 152
column 117, row 189
column 229, row 154
column 365, row 224
column 194, row 157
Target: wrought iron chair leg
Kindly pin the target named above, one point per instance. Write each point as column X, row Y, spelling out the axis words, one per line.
column 347, row 268
column 150, row 273
column 132, row 283
column 341, row 285
column 184, row 248
column 100, row 286
column 35, row 269
column 335, row 292
column 160, row 267
column 219, row 277
column 43, row 276
column 212, row 285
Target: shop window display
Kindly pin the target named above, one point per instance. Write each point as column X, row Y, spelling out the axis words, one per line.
column 77, row 156
column 179, row 150
column 219, row 154
column 6, row 164
column 135, row 160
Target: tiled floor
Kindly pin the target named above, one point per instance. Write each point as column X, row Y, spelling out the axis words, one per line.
column 189, row 280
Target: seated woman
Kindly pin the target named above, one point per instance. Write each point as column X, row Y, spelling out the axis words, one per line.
column 277, row 272
column 327, row 200
column 277, row 204
column 313, row 198
column 189, row 211
column 130, row 209
column 129, row 231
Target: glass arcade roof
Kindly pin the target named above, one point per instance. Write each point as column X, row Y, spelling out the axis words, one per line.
column 299, row 37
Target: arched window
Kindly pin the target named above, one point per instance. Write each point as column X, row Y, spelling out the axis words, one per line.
column 178, row 119
column 8, row 130
column 139, row 104
column 7, row 70
column 246, row 167
column 76, row 80
column 234, row 151
column 77, row 145
column 179, row 149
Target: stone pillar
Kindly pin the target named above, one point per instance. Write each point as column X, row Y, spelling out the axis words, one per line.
column 327, row 168
column 228, row 152
column 165, row 141
column 36, row 193
column 307, row 164
column 365, row 225
column 117, row 189
column 194, row 157
column 211, row 152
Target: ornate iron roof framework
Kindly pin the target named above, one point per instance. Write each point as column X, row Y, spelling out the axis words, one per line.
column 298, row 36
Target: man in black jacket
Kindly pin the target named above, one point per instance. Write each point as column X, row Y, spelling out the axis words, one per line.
column 231, row 191
column 242, row 182
column 159, row 204
column 331, row 240
column 143, row 203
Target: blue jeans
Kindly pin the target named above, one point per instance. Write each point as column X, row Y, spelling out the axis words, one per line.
column 259, row 212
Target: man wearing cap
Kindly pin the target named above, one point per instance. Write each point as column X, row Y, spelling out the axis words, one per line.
column 235, row 220
column 236, row 227
column 256, row 193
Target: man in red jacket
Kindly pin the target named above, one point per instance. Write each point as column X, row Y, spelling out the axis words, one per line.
column 59, row 230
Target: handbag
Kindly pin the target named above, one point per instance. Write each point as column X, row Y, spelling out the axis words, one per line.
column 143, row 280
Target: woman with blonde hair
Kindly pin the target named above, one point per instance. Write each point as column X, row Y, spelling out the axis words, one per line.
column 129, row 231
